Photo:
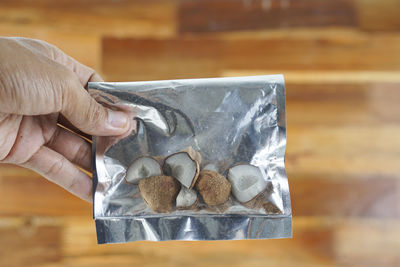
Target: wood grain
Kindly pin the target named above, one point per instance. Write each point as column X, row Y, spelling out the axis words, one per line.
column 343, row 104
column 345, row 196
column 27, row 193
column 314, row 240
column 105, row 17
column 318, row 241
column 199, row 16
column 29, row 241
column 330, row 52
column 144, row 59
column 226, row 15
column 315, row 243
column 378, row 15
column 371, row 243
column 205, row 56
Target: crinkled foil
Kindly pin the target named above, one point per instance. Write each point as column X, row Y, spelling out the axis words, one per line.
column 229, row 121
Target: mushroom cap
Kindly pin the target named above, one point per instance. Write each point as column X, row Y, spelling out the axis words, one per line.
column 142, row 167
column 247, row 182
column 159, row 192
column 183, row 168
column 213, row 187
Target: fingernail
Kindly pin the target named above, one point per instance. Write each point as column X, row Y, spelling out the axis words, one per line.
column 117, row 119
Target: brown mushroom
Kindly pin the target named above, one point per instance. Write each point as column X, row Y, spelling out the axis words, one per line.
column 213, row 187
column 159, row 192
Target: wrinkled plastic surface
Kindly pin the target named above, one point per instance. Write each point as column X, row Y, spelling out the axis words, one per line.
column 229, row 121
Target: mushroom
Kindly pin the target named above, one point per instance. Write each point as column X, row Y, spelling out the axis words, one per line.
column 159, row 192
column 183, row 168
column 247, row 182
column 186, row 198
column 213, row 187
column 143, row 167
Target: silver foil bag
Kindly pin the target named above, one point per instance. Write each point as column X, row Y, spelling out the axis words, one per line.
column 229, row 121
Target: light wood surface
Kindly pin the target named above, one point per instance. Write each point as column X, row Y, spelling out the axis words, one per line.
column 341, row 61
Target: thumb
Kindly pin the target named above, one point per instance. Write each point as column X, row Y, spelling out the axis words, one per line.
column 87, row 115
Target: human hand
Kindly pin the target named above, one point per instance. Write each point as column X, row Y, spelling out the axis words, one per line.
column 41, row 86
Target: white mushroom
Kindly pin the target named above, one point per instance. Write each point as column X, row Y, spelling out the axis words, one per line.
column 186, row 198
column 143, row 167
column 247, row 182
column 183, row 168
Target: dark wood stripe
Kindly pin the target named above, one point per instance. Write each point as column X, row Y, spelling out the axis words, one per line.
column 194, row 57
column 228, row 15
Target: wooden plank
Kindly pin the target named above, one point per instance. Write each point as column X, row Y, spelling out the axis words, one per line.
column 105, row 17
column 338, row 92
column 226, row 15
column 338, row 151
column 343, row 129
column 146, row 59
column 209, row 56
column 370, row 243
column 27, row 193
column 218, row 16
column 358, row 51
column 380, row 15
column 343, row 105
column 29, row 241
column 345, row 196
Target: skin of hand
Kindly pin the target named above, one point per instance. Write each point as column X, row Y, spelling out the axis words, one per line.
column 41, row 86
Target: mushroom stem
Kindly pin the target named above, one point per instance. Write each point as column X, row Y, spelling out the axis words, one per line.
column 183, row 168
column 186, row 198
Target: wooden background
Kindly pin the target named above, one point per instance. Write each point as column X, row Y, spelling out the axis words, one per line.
column 341, row 60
